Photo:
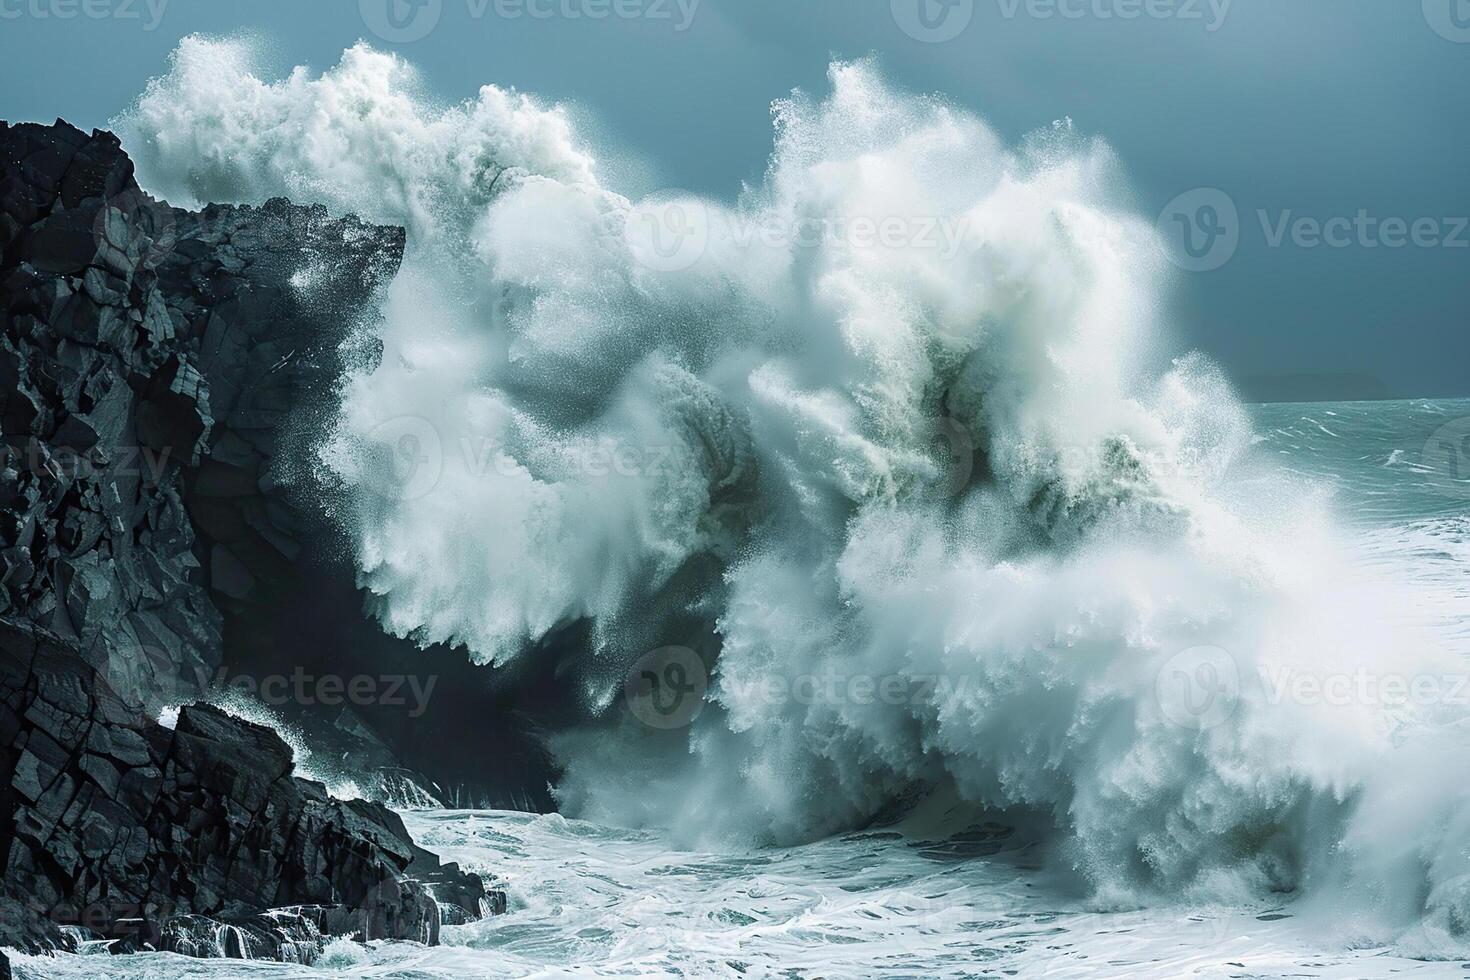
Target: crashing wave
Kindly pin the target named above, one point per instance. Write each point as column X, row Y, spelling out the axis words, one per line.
column 895, row 416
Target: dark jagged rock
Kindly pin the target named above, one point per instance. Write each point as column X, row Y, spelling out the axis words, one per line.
column 162, row 375
column 149, row 363
column 286, row 936
column 151, row 360
column 230, row 327
column 266, row 297
column 135, row 832
column 98, row 423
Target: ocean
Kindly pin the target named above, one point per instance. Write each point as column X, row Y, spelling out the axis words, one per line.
column 1038, row 653
column 946, row 890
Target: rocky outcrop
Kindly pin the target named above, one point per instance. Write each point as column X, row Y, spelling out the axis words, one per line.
column 135, row 832
column 151, row 363
column 267, row 298
column 191, row 523
column 101, row 410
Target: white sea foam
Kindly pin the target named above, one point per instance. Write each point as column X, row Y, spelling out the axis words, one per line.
column 1111, row 550
column 927, row 899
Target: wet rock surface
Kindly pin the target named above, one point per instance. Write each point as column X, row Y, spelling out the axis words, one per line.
column 127, row 829
column 160, row 438
column 151, row 363
column 151, row 367
column 101, row 412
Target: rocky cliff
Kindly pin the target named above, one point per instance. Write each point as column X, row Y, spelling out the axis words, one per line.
column 143, row 834
column 153, row 362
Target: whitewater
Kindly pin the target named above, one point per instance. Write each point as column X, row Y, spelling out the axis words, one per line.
column 1012, row 641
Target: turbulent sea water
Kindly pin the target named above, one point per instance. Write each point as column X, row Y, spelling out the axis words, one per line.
column 1170, row 685
column 947, row 891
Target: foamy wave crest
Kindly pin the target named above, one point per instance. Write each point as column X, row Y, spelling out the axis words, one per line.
column 888, row 415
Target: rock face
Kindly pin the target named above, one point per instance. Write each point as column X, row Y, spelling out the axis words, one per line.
column 162, row 374
column 151, row 361
column 101, row 411
column 136, row 832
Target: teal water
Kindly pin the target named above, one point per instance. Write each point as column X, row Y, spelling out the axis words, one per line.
column 946, row 893
column 1388, row 463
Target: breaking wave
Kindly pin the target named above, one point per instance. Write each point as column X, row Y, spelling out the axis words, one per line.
column 883, row 447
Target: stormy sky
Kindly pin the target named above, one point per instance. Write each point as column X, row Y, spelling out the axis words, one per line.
column 1335, row 262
